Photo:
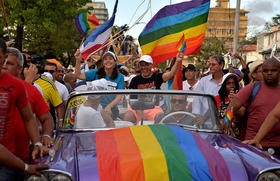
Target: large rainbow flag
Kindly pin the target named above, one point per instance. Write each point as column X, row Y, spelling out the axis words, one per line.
column 84, row 22
column 161, row 35
column 157, row 152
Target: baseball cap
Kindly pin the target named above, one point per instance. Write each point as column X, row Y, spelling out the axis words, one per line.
column 237, row 72
column 254, row 65
column 110, row 53
column 48, row 75
column 191, row 67
column 146, row 58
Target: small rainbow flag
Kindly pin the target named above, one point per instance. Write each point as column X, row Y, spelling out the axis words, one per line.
column 161, row 35
column 71, row 119
column 85, row 22
column 157, row 152
column 229, row 116
column 182, row 45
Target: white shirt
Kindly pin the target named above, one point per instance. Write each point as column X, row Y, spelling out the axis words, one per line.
column 208, row 85
column 186, row 85
column 63, row 91
column 87, row 117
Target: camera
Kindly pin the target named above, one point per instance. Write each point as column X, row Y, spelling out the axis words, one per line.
column 37, row 60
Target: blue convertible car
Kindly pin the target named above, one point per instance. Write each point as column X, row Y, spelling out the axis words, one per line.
column 150, row 135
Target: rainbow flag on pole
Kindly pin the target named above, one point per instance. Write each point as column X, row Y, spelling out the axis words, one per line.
column 99, row 37
column 161, row 35
column 182, row 45
column 157, row 152
column 85, row 22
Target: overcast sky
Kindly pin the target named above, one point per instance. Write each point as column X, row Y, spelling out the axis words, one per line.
column 260, row 11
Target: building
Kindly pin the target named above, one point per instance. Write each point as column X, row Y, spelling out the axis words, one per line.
column 221, row 21
column 250, row 53
column 99, row 10
column 266, row 42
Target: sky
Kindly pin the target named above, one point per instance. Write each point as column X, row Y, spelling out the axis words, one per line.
column 260, row 11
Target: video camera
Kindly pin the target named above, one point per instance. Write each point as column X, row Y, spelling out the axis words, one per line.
column 37, row 60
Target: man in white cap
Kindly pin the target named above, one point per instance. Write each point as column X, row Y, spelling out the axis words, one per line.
column 90, row 114
column 149, row 80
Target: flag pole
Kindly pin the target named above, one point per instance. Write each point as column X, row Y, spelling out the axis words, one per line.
column 82, row 41
column 5, row 18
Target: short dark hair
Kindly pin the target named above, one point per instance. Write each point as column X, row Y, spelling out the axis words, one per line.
column 51, row 64
column 3, row 46
column 272, row 61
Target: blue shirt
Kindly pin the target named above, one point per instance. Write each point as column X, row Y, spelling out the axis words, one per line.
column 113, row 84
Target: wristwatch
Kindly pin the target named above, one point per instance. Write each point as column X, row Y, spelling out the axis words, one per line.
column 26, row 167
column 38, row 144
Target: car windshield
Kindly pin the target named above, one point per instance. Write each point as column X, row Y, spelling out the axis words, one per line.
column 92, row 110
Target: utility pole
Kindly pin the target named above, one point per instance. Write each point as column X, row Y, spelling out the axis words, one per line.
column 236, row 28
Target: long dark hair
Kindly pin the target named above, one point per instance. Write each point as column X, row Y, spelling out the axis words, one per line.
column 223, row 90
column 101, row 72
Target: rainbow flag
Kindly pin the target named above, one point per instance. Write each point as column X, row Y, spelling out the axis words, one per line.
column 161, row 35
column 85, row 22
column 182, row 45
column 71, row 119
column 229, row 116
column 157, row 152
column 99, row 37
column 176, row 82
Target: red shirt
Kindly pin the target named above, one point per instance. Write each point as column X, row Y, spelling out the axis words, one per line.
column 39, row 107
column 218, row 100
column 263, row 103
column 12, row 95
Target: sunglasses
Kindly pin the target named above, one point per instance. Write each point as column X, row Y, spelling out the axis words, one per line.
column 60, row 71
column 180, row 101
column 50, row 71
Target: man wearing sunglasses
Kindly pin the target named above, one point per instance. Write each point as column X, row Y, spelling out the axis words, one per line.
column 178, row 103
column 56, row 72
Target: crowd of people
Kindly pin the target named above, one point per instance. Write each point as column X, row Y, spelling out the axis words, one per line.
column 252, row 94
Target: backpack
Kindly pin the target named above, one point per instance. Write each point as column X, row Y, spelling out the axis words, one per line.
column 243, row 125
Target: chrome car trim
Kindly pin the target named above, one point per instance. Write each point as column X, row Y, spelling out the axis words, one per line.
column 266, row 170
column 59, row 171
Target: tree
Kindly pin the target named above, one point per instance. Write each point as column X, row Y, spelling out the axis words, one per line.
column 275, row 22
column 210, row 46
column 45, row 26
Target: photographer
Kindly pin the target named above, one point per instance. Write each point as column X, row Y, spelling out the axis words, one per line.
column 46, row 86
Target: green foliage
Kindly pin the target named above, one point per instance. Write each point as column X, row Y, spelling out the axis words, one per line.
column 48, row 26
column 275, row 22
column 210, row 46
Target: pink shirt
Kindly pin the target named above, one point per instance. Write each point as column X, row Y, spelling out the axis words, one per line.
column 263, row 103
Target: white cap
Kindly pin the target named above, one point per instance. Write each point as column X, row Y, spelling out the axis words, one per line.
column 100, row 84
column 146, row 58
column 254, row 65
column 96, row 85
column 110, row 53
column 48, row 75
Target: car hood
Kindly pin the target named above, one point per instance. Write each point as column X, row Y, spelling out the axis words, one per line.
column 244, row 161
column 76, row 154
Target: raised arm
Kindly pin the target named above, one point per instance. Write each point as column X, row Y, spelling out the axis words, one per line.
column 78, row 73
column 168, row 75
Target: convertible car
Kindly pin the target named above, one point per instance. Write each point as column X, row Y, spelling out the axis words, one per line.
column 150, row 135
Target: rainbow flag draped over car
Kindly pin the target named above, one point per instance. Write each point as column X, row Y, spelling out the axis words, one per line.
column 157, row 152
column 161, row 35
